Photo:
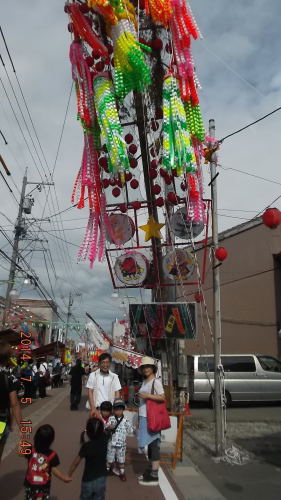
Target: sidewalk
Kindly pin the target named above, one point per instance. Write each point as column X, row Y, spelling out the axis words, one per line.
column 68, row 425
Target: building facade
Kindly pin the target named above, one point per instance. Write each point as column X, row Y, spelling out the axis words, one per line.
column 250, row 293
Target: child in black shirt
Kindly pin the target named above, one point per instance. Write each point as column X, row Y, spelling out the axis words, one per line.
column 42, row 462
column 94, row 451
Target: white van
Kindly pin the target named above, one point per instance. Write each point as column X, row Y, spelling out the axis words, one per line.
column 248, row 377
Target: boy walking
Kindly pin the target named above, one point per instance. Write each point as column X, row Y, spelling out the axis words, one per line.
column 116, row 450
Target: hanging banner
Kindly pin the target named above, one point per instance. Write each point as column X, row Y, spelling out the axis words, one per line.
column 131, row 268
column 163, row 320
column 122, row 229
column 96, row 337
column 178, row 265
column 130, row 359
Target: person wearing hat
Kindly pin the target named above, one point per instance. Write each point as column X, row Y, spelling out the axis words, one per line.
column 151, row 388
column 120, row 426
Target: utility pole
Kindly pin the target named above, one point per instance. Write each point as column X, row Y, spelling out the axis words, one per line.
column 18, row 232
column 218, row 402
column 70, row 304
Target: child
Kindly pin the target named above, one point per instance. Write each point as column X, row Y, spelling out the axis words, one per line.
column 116, row 449
column 106, row 411
column 42, row 463
column 94, row 452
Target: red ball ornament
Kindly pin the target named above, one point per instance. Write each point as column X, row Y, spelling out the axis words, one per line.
column 154, row 163
column 103, row 162
column 156, row 189
column 134, row 184
column 95, row 55
column 160, row 201
column 198, row 297
column 168, row 180
column 152, row 173
column 116, row 192
column 128, row 176
column 133, row 149
column 90, row 61
column 129, row 138
column 136, row 205
column 119, row 183
column 99, row 66
column 221, row 254
column 157, row 44
column 105, row 183
column 271, row 218
column 133, row 162
column 172, row 198
column 123, row 208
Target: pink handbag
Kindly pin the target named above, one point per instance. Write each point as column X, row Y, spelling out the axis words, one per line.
column 157, row 414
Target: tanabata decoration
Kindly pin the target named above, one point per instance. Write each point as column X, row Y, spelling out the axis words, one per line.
column 188, row 223
column 178, row 265
column 111, row 130
column 178, row 151
column 152, row 229
column 88, row 177
column 130, row 69
column 122, row 229
column 131, row 268
column 84, row 30
column 160, row 10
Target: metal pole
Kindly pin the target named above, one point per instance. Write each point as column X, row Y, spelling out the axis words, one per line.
column 70, row 304
column 18, row 230
column 219, row 426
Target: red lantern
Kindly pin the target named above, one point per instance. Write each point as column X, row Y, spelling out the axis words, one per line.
column 198, row 297
column 133, row 149
column 168, row 180
column 116, row 192
column 136, row 205
column 134, row 184
column 156, row 189
column 129, row 138
column 90, row 61
column 128, row 176
column 160, row 202
column 271, row 218
column 221, row 254
column 172, row 198
column 99, row 66
column 105, row 183
column 154, row 164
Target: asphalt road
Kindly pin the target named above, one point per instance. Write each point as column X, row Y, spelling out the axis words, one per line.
column 270, row 412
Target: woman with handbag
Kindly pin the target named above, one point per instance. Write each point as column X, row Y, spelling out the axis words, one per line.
column 153, row 417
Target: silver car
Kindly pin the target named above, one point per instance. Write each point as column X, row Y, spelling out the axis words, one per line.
column 248, row 377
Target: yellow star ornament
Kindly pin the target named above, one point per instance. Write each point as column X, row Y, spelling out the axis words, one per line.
column 152, row 228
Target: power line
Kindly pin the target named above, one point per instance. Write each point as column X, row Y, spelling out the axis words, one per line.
column 249, row 124
column 250, row 175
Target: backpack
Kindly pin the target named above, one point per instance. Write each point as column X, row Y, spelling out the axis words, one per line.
column 38, row 471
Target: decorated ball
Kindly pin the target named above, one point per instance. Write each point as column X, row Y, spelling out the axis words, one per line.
column 131, row 268
column 122, row 229
column 183, row 227
column 178, row 265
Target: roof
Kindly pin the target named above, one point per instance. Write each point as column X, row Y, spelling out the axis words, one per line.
column 49, row 349
column 245, row 226
column 34, row 302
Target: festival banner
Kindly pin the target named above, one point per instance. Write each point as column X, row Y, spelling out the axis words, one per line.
column 163, row 320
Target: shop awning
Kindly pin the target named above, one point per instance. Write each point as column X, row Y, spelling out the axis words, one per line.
column 48, row 350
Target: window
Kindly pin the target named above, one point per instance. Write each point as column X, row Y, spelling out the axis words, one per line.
column 230, row 364
column 270, row 364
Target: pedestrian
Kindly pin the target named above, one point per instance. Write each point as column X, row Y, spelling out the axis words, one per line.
column 150, row 384
column 42, row 463
column 94, row 452
column 120, row 426
column 42, row 369
column 10, row 412
column 106, row 411
column 56, row 375
column 76, row 373
column 102, row 385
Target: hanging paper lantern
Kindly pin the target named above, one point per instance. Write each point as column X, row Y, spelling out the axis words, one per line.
column 128, row 176
column 133, row 162
column 123, row 207
column 129, row 138
column 178, row 265
column 272, row 218
column 131, row 268
column 122, row 229
column 221, row 254
column 198, row 297
column 133, row 149
column 156, row 189
column 116, row 192
column 152, row 173
column 160, row 202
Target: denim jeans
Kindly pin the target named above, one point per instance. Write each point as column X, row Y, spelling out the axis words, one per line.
column 93, row 490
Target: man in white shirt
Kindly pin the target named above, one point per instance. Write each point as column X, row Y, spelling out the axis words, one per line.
column 103, row 385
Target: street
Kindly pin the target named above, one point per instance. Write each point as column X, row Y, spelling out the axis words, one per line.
column 68, row 426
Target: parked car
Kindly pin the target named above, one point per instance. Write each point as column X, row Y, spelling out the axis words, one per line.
column 248, row 377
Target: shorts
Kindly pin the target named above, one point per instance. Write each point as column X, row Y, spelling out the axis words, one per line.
column 117, row 453
column 32, row 493
column 153, row 450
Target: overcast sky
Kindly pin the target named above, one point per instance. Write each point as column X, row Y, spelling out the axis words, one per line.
column 238, row 64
